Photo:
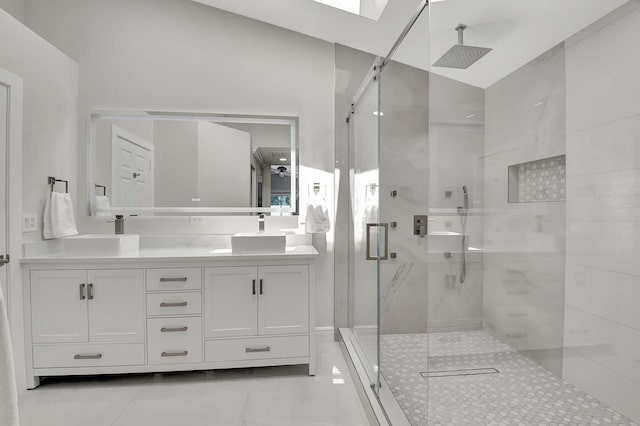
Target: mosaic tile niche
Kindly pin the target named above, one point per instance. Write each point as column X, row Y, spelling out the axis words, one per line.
column 538, row 181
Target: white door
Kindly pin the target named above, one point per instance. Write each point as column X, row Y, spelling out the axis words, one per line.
column 4, row 122
column 116, row 305
column 231, row 301
column 283, row 306
column 131, row 170
column 59, row 306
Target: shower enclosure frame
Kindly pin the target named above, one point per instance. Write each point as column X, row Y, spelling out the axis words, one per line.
column 380, row 404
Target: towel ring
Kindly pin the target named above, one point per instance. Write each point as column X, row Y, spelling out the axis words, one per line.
column 52, row 181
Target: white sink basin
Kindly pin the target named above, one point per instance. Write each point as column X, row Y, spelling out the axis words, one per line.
column 90, row 245
column 258, row 243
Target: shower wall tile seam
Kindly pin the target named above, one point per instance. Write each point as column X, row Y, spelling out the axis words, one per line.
column 611, row 320
column 601, row 268
column 604, row 173
column 603, row 124
column 601, row 365
column 590, row 81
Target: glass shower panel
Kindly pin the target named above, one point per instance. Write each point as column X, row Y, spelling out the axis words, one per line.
column 369, row 235
column 404, row 196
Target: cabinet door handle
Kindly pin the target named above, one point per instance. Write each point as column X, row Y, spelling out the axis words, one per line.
column 172, row 279
column 173, row 329
column 260, row 285
column 258, row 349
column 172, row 304
column 93, row 356
column 254, row 287
column 166, row 354
column 82, row 296
column 90, row 291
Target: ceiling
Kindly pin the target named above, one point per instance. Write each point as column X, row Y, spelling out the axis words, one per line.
column 517, row 30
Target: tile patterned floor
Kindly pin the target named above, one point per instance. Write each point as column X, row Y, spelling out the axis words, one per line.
column 523, row 393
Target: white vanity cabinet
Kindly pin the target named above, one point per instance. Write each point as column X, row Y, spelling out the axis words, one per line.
column 76, row 306
column 249, row 305
column 132, row 315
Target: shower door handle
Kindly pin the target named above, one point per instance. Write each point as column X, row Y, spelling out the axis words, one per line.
column 385, row 228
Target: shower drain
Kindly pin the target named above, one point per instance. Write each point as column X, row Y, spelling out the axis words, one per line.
column 454, row 373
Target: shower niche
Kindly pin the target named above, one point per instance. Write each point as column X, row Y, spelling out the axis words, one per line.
column 538, row 181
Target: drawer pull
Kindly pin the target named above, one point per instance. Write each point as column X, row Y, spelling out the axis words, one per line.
column 94, row 356
column 90, row 291
column 82, row 296
column 172, row 279
column 172, row 330
column 166, row 354
column 258, row 349
column 172, row 304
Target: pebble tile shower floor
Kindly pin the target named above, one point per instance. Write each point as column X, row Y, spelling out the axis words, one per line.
column 522, row 393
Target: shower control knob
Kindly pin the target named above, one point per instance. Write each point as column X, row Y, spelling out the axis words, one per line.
column 393, row 255
column 394, row 224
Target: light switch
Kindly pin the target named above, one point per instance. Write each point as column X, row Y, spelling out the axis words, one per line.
column 29, row 223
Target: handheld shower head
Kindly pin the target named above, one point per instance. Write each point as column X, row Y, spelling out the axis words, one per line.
column 466, row 197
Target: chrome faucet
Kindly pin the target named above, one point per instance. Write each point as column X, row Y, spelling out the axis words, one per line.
column 261, row 223
column 119, row 224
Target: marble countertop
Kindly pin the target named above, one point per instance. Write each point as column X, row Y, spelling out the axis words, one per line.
column 172, row 254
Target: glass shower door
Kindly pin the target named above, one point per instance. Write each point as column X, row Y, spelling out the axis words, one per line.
column 368, row 245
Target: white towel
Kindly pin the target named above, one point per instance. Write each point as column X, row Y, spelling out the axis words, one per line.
column 317, row 220
column 8, row 391
column 58, row 218
column 102, row 202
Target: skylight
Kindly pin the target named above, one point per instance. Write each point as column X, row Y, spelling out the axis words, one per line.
column 371, row 9
column 351, row 6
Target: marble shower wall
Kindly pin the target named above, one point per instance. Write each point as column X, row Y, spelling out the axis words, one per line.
column 602, row 299
column 431, row 144
column 524, row 243
column 456, row 147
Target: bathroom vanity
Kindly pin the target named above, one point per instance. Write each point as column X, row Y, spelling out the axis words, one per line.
column 170, row 310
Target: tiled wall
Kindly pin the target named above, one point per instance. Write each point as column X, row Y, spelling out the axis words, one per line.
column 602, row 300
column 456, row 147
column 524, row 242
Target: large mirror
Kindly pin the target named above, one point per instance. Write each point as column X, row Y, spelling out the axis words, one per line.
column 150, row 163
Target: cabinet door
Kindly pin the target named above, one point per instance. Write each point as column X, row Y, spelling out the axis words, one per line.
column 283, row 306
column 116, row 305
column 59, row 306
column 231, row 301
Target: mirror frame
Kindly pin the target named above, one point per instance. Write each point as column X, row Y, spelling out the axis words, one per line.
column 95, row 115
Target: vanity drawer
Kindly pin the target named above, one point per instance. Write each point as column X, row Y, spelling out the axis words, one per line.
column 88, row 355
column 174, row 279
column 174, row 340
column 256, row 348
column 159, row 304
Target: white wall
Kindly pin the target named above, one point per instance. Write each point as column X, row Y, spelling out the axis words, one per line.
column 178, row 55
column 49, row 129
column 50, row 113
column 223, row 165
column 602, row 299
column 14, row 8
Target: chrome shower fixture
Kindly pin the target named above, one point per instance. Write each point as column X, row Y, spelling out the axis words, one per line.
column 461, row 56
column 463, row 212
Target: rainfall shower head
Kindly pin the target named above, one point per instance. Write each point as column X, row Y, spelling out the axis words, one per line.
column 461, row 56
